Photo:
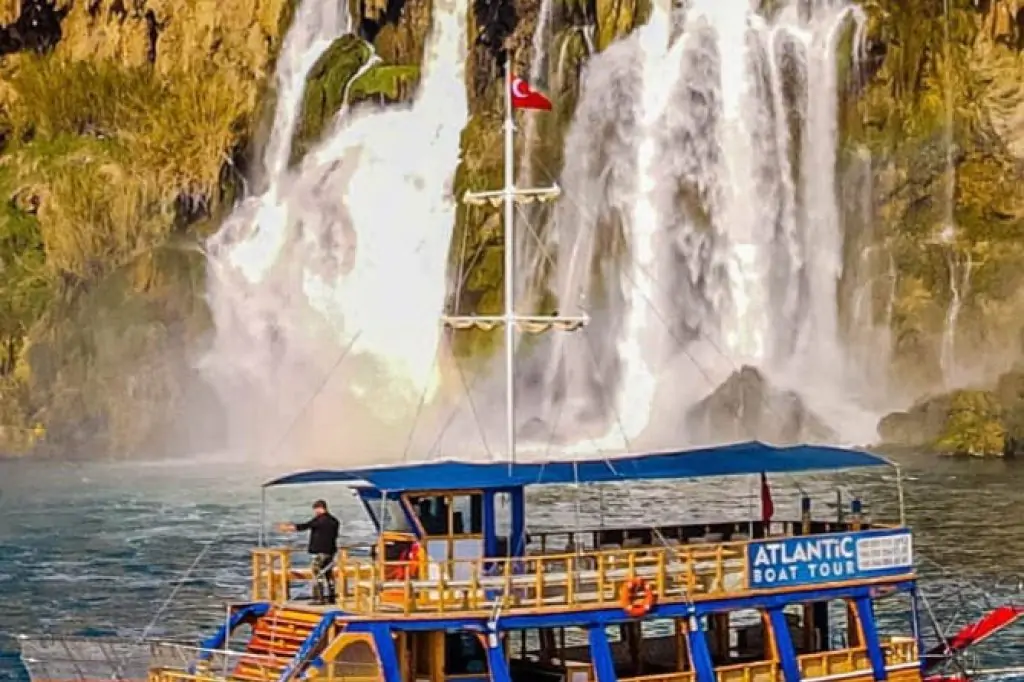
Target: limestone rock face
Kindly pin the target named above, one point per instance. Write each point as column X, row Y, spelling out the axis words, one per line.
column 121, row 126
column 747, row 407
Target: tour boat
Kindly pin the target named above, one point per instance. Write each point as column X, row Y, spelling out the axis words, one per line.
column 459, row 584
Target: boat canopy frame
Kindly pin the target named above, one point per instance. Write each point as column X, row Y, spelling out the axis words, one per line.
column 747, row 458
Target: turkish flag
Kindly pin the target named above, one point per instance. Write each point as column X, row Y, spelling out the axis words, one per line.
column 767, row 504
column 524, row 97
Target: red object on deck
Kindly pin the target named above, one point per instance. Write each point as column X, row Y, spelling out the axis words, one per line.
column 992, row 622
column 767, row 505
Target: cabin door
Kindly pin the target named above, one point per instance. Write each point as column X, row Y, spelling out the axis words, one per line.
column 453, row 523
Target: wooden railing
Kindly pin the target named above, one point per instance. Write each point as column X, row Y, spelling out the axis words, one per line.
column 271, row 575
column 674, row 572
column 897, row 651
column 537, row 582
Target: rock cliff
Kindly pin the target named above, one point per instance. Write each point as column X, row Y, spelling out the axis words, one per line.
column 125, row 126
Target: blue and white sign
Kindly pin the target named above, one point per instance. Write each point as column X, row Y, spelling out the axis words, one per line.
column 791, row 562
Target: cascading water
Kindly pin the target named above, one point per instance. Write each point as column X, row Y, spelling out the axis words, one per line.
column 349, row 249
column 682, row 189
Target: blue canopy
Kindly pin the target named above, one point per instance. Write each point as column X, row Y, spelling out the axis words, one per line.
column 726, row 460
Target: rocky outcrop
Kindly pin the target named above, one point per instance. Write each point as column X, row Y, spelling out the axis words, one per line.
column 971, row 422
column 746, row 407
column 327, row 88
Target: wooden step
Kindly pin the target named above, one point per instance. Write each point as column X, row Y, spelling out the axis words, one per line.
column 295, row 615
column 283, row 633
column 287, row 635
column 276, row 639
column 257, row 673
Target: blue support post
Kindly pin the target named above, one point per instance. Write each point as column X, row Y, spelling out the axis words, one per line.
column 385, row 645
column 700, row 655
column 496, row 663
column 601, row 655
column 866, row 614
column 784, row 644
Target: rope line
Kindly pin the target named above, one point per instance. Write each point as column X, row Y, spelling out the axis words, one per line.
column 219, row 533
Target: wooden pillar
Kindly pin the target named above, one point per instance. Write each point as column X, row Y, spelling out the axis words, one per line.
column 682, row 652
column 437, row 657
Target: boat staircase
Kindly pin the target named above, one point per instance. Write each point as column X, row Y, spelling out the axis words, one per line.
column 283, row 641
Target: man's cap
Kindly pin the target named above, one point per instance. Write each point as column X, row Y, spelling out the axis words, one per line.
column 319, row 504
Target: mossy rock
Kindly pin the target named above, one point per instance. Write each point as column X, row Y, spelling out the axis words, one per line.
column 385, row 84
column 976, row 423
column 326, row 87
column 974, row 426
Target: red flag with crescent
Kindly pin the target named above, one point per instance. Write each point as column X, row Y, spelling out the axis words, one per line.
column 525, row 97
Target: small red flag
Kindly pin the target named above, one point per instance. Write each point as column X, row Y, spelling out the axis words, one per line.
column 767, row 506
column 524, row 97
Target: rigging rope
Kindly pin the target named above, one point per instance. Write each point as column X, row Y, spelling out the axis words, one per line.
column 219, row 533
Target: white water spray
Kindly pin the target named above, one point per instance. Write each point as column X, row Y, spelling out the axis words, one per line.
column 349, row 248
column 679, row 187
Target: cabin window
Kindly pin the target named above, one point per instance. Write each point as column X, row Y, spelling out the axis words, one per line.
column 739, row 637
column 389, row 515
column 458, row 514
column 464, row 654
column 822, row 626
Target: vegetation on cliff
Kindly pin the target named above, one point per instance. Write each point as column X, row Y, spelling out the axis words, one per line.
column 120, row 129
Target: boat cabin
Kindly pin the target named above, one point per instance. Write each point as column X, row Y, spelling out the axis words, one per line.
column 458, row 586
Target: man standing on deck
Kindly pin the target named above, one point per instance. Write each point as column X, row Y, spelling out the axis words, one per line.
column 323, row 545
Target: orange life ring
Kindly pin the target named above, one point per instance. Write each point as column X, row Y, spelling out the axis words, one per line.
column 636, row 597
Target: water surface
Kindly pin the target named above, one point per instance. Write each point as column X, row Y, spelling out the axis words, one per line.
column 157, row 549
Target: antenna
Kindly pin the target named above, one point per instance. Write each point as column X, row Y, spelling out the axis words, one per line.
column 508, row 195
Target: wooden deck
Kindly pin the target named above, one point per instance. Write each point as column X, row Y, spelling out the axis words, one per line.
column 535, row 583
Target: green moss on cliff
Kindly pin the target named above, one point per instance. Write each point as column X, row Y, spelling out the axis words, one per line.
column 111, row 153
column 477, row 253
column 973, row 427
column 326, row 88
column 385, row 84
column 335, row 80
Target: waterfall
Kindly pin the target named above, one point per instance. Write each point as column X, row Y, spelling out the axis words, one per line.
column 959, row 286
column 343, row 256
column 701, row 225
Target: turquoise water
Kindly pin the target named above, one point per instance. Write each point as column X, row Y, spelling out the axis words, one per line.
column 156, row 549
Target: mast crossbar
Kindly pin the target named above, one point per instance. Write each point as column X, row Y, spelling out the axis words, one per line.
column 507, row 197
